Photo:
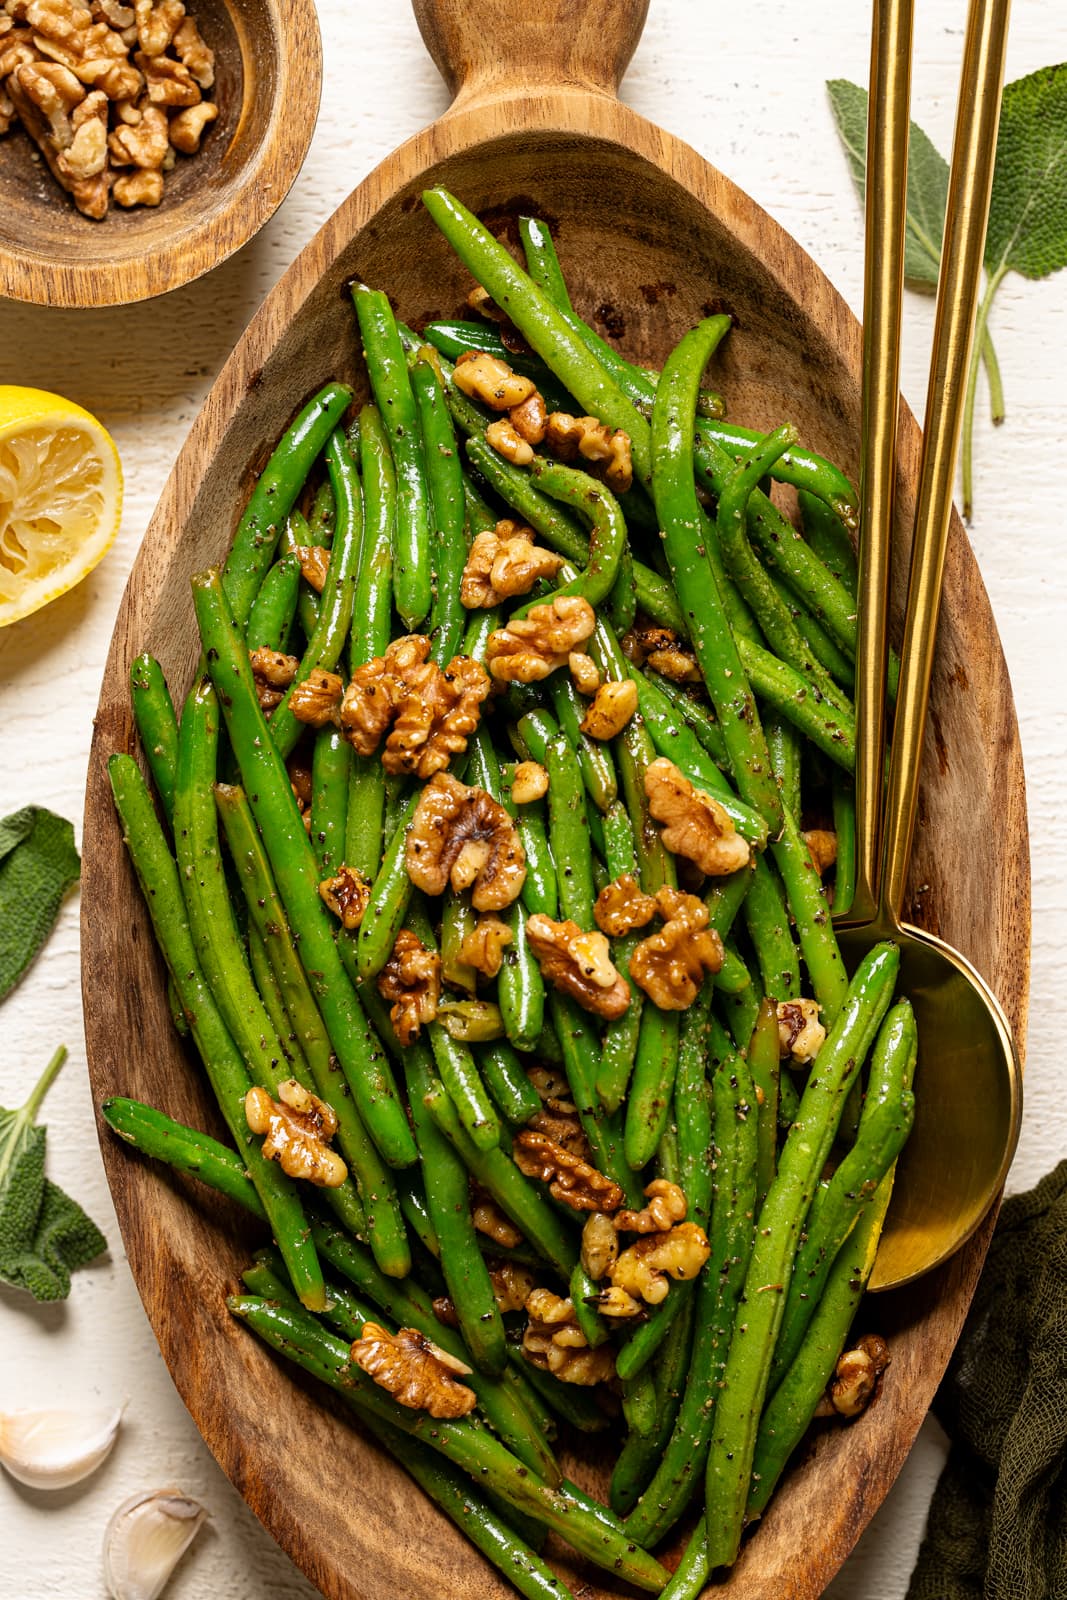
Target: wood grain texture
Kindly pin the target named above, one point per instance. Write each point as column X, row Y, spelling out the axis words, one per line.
column 649, row 236
column 268, row 78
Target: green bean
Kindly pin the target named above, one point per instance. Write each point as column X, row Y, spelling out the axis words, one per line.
column 444, row 480
column 542, row 262
column 594, row 757
column 764, row 1063
column 384, row 1224
column 829, row 538
column 506, row 1081
column 767, row 921
column 470, row 1448
column 791, row 693
column 695, row 716
column 639, row 1456
column 540, row 891
column 784, row 746
column 559, row 531
column 457, row 922
column 691, row 1573
column 335, row 612
column 270, row 620
column 267, row 785
column 158, row 877
column 583, row 1292
column 607, row 531
column 270, row 993
column 513, row 1193
column 844, row 804
column 575, row 1406
column 330, row 769
column 480, row 629
column 780, row 1221
column 811, row 913
column 296, row 535
column 455, row 339
column 567, row 833
column 322, row 518
column 159, row 1136
column 639, row 1404
column 459, row 1074
column 153, row 712
column 825, row 650
column 580, row 1045
column 387, row 369
column 541, row 325
column 388, row 903
column 790, row 1410
column 678, row 510
column 648, row 1104
column 274, row 496
column 692, row 1107
column 621, row 1035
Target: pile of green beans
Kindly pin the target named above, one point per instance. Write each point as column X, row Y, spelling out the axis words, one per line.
column 740, row 647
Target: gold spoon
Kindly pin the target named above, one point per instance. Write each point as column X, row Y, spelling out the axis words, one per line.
column 969, row 1081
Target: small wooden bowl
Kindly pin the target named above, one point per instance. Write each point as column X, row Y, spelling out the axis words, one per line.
column 268, row 78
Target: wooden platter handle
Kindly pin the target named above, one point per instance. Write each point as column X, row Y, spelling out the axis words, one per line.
column 494, row 49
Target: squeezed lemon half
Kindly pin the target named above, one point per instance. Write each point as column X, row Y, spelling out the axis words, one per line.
column 60, row 497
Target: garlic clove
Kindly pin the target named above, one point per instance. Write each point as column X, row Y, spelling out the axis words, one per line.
column 146, row 1538
column 54, row 1448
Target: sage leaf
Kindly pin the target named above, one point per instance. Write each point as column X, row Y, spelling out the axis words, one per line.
column 44, row 1234
column 38, row 864
column 1028, row 209
column 927, row 181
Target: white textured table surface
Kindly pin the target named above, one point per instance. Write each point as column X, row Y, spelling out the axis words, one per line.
column 752, row 99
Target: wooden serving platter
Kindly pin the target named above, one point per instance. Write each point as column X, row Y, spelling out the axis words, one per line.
column 650, row 238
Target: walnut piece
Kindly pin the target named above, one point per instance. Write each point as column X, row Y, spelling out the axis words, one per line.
column 642, row 1270
column 488, row 379
column 571, row 1180
column 273, row 672
column 530, row 783
column 415, row 1371
column 297, row 1128
column 662, row 650
column 604, row 448
column 695, row 824
column 530, row 419
column 483, row 947
column 855, row 1377
column 490, row 1220
column 508, row 442
column 585, row 673
column 670, row 965
column 347, row 894
column 317, row 699
column 187, row 128
column 411, row 980
column 531, row 647
column 558, row 1117
column 86, row 156
column 666, row 1206
column 462, row 836
column 822, row 847
column 157, row 23
column 623, row 905
column 800, row 1033
column 579, row 964
column 600, row 1245
column 512, row 1286
column 167, row 82
column 314, row 562
column 612, row 708
column 504, row 561
column 554, row 1342
column 433, row 712
column 194, row 54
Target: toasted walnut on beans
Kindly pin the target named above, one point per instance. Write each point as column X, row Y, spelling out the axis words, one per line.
column 415, row 1371
column 558, row 1117
column 411, row 981
column 554, row 1341
column 855, row 1378
column 273, row 672
column 488, row 1219
column 660, row 648
column 695, row 825
column 605, row 449
column 347, row 894
column 666, row 1206
column 512, row 1286
column 643, row 1269
column 670, row 965
column 504, row 561
column 578, row 964
column 600, row 1245
column 622, row 905
column 508, row 442
column 300, row 783
column 317, row 700
column 488, row 379
column 612, row 708
column 800, row 1033
column 531, row 647
column 822, row 847
column 529, row 783
column 432, row 712
column 585, row 672
column 483, row 947
column 530, row 419
column 314, row 562
column 571, row 1180
column 296, row 1129
column 464, row 837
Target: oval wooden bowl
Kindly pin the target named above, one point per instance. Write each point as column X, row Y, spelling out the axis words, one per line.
column 268, row 78
column 650, row 238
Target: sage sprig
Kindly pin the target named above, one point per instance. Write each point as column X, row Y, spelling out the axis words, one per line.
column 1027, row 218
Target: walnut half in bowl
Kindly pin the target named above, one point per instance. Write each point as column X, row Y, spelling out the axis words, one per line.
column 198, row 183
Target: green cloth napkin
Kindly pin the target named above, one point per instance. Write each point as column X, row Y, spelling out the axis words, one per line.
column 997, row 1528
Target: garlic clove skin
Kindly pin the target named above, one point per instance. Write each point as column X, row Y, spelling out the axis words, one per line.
column 146, row 1538
column 54, row 1448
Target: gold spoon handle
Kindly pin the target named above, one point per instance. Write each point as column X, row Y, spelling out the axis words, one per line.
column 970, row 182
column 883, row 282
